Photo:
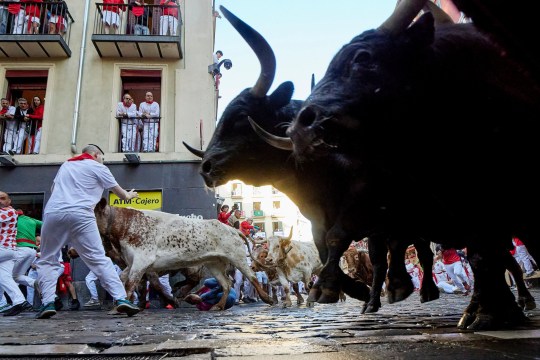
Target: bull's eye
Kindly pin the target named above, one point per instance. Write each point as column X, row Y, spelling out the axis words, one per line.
column 362, row 57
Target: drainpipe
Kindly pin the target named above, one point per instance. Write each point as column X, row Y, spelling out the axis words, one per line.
column 79, row 81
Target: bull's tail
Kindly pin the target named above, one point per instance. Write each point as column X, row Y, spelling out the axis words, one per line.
column 246, row 241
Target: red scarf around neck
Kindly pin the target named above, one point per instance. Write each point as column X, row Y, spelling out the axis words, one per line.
column 150, row 102
column 82, row 157
column 3, row 111
column 126, row 105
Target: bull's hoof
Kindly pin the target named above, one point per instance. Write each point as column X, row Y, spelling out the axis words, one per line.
column 429, row 294
column 287, row 304
column 310, row 303
column 328, row 296
column 370, row 308
column 466, row 320
column 299, row 300
column 314, row 294
column 482, row 322
column 527, row 303
column 400, row 294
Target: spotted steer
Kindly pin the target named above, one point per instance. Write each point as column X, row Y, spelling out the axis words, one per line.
column 157, row 241
column 290, row 261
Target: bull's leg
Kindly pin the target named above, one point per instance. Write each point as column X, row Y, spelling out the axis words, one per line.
column 429, row 290
column 142, row 290
column 217, row 269
column 286, row 288
column 378, row 257
column 299, row 298
column 525, row 299
column 496, row 303
column 400, row 285
column 274, row 295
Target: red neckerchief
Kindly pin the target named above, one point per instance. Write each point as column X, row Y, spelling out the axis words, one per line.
column 81, row 157
column 3, row 111
column 150, row 102
column 126, row 105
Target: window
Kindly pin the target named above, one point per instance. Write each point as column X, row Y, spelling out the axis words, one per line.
column 239, row 205
column 277, row 227
column 257, row 205
column 276, row 205
column 138, row 83
column 260, row 225
column 236, row 189
column 275, row 191
column 25, row 138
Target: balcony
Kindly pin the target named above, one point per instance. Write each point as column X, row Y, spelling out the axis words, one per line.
column 48, row 37
column 258, row 213
column 131, row 31
column 20, row 137
column 138, row 134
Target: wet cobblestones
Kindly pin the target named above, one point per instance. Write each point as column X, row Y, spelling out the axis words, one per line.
column 405, row 330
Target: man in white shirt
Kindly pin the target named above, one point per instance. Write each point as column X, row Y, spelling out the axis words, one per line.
column 126, row 112
column 69, row 217
column 149, row 113
column 7, row 113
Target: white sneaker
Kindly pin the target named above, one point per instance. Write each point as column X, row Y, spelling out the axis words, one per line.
column 92, row 302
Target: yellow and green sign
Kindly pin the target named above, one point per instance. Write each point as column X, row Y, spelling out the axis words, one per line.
column 147, row 200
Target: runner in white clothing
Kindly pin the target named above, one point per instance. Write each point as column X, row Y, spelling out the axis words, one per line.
column 69, row 217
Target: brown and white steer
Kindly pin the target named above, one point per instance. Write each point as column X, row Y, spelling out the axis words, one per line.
column 157, row 241
column 289, row 261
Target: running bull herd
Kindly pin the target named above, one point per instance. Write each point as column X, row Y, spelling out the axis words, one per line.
column 419, row 131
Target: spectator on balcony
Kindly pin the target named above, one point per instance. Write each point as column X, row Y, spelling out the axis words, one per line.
column 149, row 113
column 57, row 20
column 126, row 112
column 7, row 112
column 34, row 135
column 18, row 22
column 16, row 129
column 225, row 214
column 168, row 22
column 141, row 13
column 111, row 14
column 33, row 15
column 4, row 14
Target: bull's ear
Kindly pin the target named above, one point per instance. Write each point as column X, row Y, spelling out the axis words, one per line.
column 422, row 31
column 282, row 95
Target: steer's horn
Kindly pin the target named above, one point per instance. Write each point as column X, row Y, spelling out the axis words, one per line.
column 261, row 48
column 283, row 143
column 194, row 151
column 403, row 15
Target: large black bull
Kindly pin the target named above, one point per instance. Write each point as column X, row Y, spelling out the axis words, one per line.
column 440, row 126
column 331, row 205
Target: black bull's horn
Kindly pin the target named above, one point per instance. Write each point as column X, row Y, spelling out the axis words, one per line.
column 283, row 143
column 261, row 48
column 194, row 151
column 403, row 15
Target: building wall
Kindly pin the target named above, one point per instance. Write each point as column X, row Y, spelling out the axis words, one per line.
column 188, row 99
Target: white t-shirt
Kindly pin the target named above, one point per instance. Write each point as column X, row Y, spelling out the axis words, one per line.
column 79, row 185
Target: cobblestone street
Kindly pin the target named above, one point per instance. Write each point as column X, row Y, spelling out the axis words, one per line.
column 406, row 330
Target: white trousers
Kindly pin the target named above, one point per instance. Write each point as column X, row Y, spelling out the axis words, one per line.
column 81, row 232
column 130, row 136
column 18, row 25
column 446, row 287
column 522, row 257
column 14, row 137
column 90, row 281
column 237, row 282
column 165, row 283
column 149, row 135
column 7, row 284
column 456, row 273
column 168, row 22
column 23, row 260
